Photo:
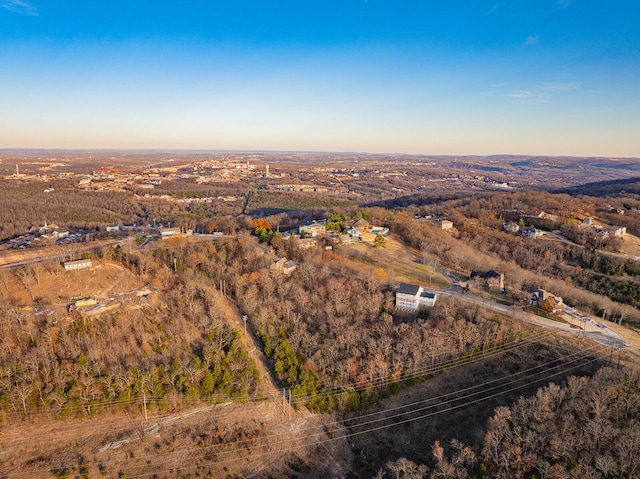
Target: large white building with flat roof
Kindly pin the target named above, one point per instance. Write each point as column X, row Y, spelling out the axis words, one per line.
column 411, row 297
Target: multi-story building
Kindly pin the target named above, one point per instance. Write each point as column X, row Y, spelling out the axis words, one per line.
column 410, row 297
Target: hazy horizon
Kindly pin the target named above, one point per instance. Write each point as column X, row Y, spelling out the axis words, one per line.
column 302, row 152
column 549, row 78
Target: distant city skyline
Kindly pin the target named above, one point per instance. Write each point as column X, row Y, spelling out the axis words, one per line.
column 547, row 77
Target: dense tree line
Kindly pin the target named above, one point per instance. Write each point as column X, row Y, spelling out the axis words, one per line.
column 264, row 203
column 586, row 428
column 171, row 350
column 327, row 326
column 26, row 206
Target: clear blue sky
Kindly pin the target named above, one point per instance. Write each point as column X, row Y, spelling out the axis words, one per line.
column 556, row 77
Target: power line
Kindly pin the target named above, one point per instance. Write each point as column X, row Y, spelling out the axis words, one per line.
column 369, row 430
column 271, row 439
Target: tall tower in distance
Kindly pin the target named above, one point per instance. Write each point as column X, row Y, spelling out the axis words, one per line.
column 266, row 171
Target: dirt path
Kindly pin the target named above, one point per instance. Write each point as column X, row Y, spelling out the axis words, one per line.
column 123, row 272
column 243, row 440
column 268, row 385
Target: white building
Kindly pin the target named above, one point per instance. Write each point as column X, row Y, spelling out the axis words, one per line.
column 79, row 264
column 531, row 232
column 617, row 231
column 165, row 232
column 411, row 297
column 313, row 229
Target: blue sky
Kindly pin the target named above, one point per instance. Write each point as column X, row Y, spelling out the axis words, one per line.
column 538, row 77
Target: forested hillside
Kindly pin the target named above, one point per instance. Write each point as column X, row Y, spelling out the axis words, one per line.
column 328, row 332
column 179, row 347
column 584, row 428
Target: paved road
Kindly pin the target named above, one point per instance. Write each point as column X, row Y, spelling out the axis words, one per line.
column 600, row 334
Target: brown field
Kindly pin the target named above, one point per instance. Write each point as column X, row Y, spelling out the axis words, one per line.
column 399, row 264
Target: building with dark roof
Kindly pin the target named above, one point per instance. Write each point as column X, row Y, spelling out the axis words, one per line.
column 411, row 297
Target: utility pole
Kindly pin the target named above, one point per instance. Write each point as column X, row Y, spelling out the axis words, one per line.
column 244, row 318
column 619, row 348
column 144, row 403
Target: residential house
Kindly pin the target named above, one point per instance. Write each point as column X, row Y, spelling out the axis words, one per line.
column 112, row 228
column 531, row 232
column 511, row 227
column 492, row 279
column 283, row 266
column 445, row 224
column 538, row 296
column 345, row 239
column 312, row 229
column 358, row 228
column 410, row 297
column 43, row 230
column 617, row 231
column 364, row 231
column 549, row 217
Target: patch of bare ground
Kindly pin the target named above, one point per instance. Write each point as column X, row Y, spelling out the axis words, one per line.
column 49, row 285
column 630, row 245
column 256, row 439
column 12, row 257
column 397, row 261
column 458, row 403
column 632, row 337
column 261, row 440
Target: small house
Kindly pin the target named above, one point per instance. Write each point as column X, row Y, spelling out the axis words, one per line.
column 283, row 266
column 446, row 224
column 531, row 232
